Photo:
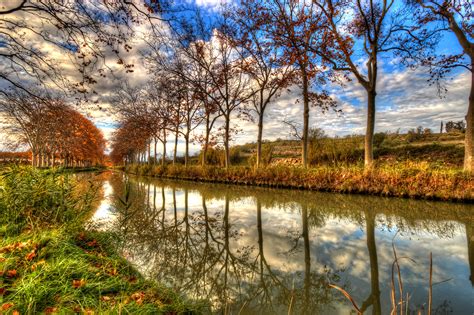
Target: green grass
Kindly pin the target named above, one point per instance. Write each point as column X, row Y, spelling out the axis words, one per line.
column 76, row 272
column 50, row 264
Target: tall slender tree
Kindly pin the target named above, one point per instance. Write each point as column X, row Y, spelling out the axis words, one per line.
column 370, row 25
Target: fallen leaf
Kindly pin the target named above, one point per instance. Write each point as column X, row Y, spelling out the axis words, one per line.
column 31, row 255
column 92, row 243
column 2, row 291
column 78, row 283
column 50, row 310
column 138, row 297
column 39, row 263
column 88, row 311
column 15, row 312
column 6, row 306
column 105, row 298
column 12, row 273
column 2, row 259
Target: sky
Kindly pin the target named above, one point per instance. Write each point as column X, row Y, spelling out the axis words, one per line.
column 405, row 100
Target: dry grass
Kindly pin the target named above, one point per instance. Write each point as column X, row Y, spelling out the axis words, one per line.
column 408, row 180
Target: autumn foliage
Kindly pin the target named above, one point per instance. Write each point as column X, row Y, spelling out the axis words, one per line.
column 55, row 133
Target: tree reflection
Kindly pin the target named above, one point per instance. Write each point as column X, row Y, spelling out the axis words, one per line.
column 188, row 237
column 374, row 297
column 470, row 249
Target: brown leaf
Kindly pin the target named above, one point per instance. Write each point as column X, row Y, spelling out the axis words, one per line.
column 78, row 283
column 2, row 291
column 105, row 298
column 2, row 259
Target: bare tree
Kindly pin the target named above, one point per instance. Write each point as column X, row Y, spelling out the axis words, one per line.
column 375, row 25
column 295, row 27
column 263, row 62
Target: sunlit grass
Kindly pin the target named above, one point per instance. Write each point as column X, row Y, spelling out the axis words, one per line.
column 49, row 263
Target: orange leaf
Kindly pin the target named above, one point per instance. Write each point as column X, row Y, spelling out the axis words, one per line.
column 6, row 306
column 30, row 255
column 12, row 273
column 92, row 243
column 105, row 298
column 78, row 283
column 50, row 310
column 15, row 312
column 138, row 297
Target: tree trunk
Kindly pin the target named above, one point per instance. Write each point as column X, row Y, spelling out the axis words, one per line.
column 468, row 143
column 226, row 141
column 163, row 160
column 206, row 142
column 186, row 152
column 259, row 139
column 33, row 158
column 305, row 118
column 149, row 152
column 175, row 145
column 154, row 152
column 369, row 133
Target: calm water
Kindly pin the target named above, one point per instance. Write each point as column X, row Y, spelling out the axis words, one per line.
column 266, row 251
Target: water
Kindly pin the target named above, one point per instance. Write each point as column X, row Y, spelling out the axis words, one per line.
column 266, row 251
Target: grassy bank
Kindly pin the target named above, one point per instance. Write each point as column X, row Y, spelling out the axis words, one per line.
column 409, row 180
column 50, row 264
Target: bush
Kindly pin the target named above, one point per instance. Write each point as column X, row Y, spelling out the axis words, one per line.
column 379, row 138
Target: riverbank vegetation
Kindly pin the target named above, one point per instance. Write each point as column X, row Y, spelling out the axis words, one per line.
column 404, row 180
column 50, row 263
column 427, row 166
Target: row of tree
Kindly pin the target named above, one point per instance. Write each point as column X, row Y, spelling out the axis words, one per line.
column 238, row 60
column 55, row 133
column 236, row 63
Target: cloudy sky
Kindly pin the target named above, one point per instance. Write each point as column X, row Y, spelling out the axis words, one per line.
column 405, row 100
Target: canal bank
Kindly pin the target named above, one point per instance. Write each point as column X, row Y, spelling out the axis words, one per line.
column 406, row 182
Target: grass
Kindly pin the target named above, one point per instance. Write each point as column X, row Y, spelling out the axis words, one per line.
column 408, row 179
column 50, row 264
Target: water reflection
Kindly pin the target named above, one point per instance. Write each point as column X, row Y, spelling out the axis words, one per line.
column 263, row 251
